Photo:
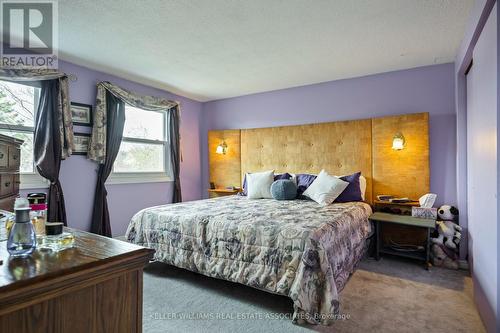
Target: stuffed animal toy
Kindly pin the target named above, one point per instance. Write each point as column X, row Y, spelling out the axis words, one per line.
column 441, row 258
column 448, row 230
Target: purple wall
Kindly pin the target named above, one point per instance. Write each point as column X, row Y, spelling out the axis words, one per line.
column 78, row 175
column 425, row 89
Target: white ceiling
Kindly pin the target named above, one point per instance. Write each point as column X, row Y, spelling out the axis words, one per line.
column 213, row 49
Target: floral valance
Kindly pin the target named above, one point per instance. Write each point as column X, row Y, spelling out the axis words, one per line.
column 63, row 111
column 97, row 146
column 30, row 74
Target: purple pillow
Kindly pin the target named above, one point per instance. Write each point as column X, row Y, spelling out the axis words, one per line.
column 285, row 175
column 353, row 191
column 304, row 180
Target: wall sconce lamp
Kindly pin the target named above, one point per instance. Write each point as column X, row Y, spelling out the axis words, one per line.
column 398, row 141
column 221, row 148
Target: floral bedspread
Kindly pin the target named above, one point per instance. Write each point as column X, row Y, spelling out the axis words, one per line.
column 294, row 248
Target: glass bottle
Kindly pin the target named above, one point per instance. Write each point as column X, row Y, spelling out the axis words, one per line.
column 55, row 238
column 22, row 238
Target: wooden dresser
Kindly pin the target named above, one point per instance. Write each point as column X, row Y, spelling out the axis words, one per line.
column 10, row 161
column 94, row 287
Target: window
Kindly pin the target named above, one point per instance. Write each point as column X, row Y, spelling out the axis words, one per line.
column 18, row 104
column 143, row 155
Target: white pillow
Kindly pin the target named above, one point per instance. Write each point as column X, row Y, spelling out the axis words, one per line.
column 325, row 188
column 362, row 186
column 259, row 185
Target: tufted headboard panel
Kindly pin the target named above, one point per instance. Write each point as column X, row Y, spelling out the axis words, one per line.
column 340, row 148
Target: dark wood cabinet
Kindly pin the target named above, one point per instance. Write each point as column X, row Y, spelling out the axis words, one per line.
column 91, row 288
column 10, row 161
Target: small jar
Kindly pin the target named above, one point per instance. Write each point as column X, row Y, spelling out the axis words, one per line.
column 55, row 238
column 38, row 217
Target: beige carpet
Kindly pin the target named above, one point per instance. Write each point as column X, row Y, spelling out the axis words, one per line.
column 385, row 296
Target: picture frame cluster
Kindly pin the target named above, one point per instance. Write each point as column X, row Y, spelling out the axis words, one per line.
column 82, row 116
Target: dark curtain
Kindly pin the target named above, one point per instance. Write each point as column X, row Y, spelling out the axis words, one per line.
column 47, row 148
column 173, row 120
column 115, row 109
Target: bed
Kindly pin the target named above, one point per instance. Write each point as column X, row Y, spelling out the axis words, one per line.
column 294, row 248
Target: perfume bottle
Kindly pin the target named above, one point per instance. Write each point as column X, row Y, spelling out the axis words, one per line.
column 55, row 239
column 22, row 239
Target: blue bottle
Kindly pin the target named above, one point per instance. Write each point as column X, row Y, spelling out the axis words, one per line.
column 22, row 238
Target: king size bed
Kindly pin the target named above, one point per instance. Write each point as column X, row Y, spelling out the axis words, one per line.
column 295, row 248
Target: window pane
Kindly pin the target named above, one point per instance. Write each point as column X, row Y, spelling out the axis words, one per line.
column 143, row 124
column 26, row 149
column 139, row 157
column 17, row 103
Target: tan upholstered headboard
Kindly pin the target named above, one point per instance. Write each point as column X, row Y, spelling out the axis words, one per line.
column 340, row 148
column 401, row 172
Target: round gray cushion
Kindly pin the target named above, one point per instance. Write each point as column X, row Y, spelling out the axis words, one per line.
column 284, row 189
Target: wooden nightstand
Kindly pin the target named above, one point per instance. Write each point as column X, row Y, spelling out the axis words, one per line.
column 379, row 219
column 221, row 192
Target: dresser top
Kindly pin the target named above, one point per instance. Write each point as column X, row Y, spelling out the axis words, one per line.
column 91, row 252
column 10, row 139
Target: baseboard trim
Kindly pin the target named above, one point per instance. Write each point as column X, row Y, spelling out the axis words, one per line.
column 485, row 309
column 463, row 264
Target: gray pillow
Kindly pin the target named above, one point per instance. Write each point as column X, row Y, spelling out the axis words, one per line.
column 284, row 189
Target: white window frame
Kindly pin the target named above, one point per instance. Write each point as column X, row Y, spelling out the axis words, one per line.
column 29, row 180
column 138, row 177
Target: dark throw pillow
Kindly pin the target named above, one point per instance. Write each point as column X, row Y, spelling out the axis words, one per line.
column 353, row 191
column 304, row 180
column 284, row 189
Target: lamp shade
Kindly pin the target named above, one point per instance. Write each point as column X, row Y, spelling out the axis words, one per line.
column 221, row 148
column 398, row 142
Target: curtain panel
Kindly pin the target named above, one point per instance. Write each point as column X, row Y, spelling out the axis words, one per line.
column 61, row 109
column 47, row 148
column 173, row 125
column 107, row 132
column 53, row 136
column 115, row 109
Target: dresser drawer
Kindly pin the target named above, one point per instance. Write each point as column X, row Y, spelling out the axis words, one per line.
column 14, row 157
column 6, row 185
column 17, row 182
column 7, row 203
column 4, row 155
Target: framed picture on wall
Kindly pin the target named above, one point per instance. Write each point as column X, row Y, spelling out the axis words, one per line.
column 81, row 114
column 81, row 141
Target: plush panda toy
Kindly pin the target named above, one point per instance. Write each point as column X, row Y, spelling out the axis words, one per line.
column 448, row 229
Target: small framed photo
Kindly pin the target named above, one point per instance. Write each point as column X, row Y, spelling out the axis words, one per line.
column 81, row 114
column 81, row 141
